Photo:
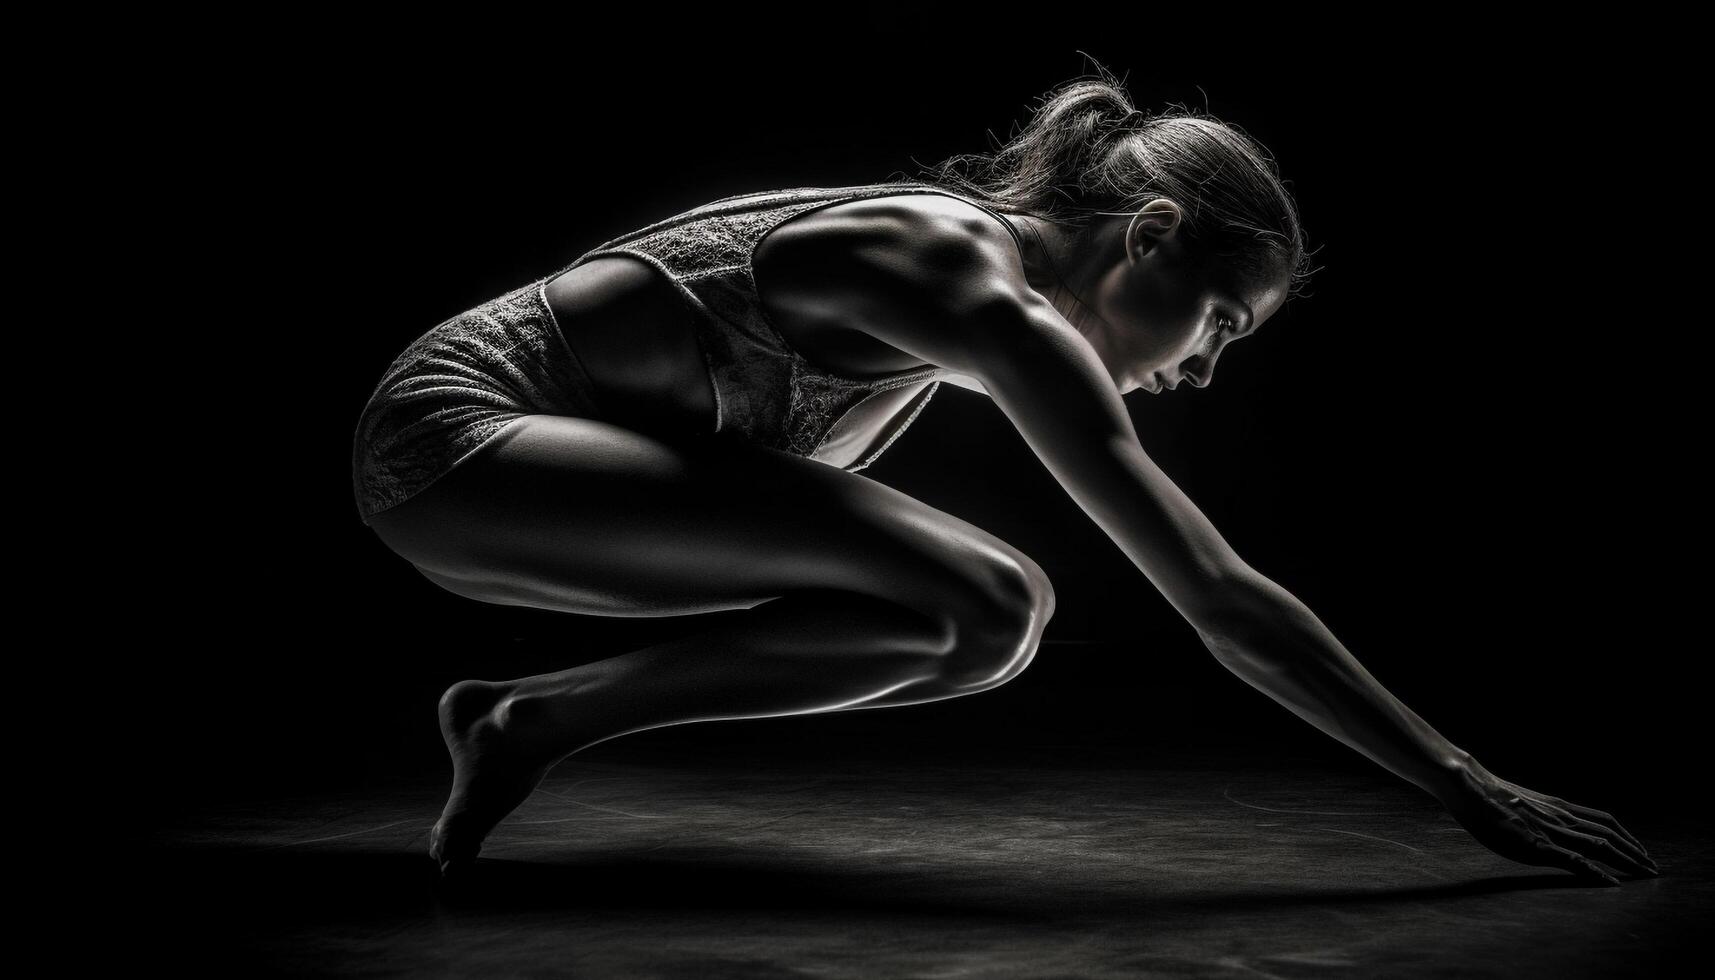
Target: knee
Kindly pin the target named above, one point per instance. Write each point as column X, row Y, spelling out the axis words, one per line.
column 996, row 639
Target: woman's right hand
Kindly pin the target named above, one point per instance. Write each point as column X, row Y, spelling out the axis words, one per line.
column 1535, row 828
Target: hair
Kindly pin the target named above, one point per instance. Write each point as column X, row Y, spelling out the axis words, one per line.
column 1086, row 149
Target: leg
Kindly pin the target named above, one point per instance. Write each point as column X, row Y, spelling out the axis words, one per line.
column 859, row 595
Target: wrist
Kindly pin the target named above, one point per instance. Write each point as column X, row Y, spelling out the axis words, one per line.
column 1460, row 776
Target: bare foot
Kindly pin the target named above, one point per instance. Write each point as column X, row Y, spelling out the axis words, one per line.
column 491, row 774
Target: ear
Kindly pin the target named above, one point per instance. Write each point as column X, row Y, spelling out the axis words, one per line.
column 1156, row 223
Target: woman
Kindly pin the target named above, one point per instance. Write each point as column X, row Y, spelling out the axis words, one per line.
column 672, row 425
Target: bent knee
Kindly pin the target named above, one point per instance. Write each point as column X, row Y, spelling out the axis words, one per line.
column 996, row 641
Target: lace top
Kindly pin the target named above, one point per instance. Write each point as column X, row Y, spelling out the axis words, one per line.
column 764, row 389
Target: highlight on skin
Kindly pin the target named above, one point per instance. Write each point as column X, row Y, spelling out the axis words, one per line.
column 1168, row 235
column 1161, row 239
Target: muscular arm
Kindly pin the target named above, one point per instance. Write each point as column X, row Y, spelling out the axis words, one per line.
column 952, row 291
column 1052, row 386
column 944, row 283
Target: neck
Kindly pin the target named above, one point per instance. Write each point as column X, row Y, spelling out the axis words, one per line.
column 1053, row 267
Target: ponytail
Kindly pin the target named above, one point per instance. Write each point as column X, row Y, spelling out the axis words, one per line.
column 1086, row 149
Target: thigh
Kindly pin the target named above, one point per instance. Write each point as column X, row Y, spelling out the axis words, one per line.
column 585, row 516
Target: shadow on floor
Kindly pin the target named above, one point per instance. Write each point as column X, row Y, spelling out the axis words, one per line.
column 619, row 869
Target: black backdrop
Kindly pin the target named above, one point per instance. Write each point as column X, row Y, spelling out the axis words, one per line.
column 1466, row 450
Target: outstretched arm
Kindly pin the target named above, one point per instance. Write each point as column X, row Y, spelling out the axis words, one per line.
column 1275, row 643
column 959, row 298
column 1052, row 385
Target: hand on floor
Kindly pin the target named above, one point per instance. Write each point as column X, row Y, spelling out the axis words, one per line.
column 1535, row 828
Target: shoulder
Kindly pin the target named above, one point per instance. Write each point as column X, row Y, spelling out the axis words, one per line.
column 935, row 277
column 912, row 248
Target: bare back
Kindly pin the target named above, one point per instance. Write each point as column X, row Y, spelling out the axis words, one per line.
column 636, row 339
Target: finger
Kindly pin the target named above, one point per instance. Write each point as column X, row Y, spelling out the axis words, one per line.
column 1604, row 818
column 1619, row 842
column 1602, row 849
column 1629, row 837
column 1578, row 864
column 1607, row 820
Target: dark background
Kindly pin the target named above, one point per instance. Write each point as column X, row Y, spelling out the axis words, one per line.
column 1467, row 450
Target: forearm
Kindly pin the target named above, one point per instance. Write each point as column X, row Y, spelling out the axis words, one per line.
column 1275, row 643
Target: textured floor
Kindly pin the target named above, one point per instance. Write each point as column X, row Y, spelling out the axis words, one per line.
column 679, row 867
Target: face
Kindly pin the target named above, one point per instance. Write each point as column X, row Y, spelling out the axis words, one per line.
column 1163, row 316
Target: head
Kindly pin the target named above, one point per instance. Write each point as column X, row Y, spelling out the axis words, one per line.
column 1180, row 237
column 1162, row 309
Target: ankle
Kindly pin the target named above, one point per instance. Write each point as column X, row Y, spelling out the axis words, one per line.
column 531, row 724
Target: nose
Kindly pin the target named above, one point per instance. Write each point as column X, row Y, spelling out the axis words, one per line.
column 1199, row 370
column 1197, row 373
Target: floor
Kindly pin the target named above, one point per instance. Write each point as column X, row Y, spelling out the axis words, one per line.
column 670, row 862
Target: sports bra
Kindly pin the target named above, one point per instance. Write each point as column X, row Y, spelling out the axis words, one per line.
column 765, row 391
